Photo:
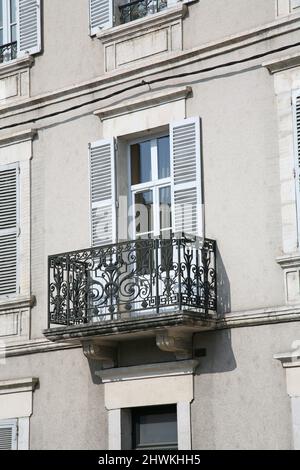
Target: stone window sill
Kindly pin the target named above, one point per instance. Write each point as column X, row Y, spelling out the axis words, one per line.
column 15, row 65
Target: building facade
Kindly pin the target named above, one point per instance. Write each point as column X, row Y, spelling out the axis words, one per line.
column 149, row 224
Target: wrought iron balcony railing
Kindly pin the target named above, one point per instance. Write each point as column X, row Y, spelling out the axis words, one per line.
column 129, row 279
column 140, row 8
column 8, row 52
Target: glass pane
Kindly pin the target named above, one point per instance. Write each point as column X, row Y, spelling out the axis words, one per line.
column 1, row 37
column 13, row 11
column 13, row 31
column 1, row 13
column 144, row 211
column 157, row 428
column 163, row 150
column 165, row 207
column 141, row 162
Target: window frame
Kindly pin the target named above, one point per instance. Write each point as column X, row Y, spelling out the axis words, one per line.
column 136, row 414
column 7, row 23
column 155, row 184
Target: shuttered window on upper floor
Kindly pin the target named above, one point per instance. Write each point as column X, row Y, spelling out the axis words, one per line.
column 8, row 435
column 186, row 184
column 20, row 28
column 107, row 13
column 9, row 229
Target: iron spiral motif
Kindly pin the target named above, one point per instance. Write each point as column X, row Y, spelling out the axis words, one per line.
column 130, row 278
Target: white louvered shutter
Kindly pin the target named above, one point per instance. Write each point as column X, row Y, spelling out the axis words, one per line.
column 8, row 435
column 103, row 192
column 101, row 15
column 296, row 114
column 8, row 229
column 186, row 176
column 29, row 26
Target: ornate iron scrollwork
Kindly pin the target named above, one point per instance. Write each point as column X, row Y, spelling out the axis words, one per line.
column 130, row 278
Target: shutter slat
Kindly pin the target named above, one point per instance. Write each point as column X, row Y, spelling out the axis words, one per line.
column 101, row 15
column 102, row 189
column 8, row 435
column 8, row 230
column 29, row 26
column 186, row 176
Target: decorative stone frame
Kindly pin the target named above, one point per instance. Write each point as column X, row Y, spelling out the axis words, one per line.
column 148, row 385
column 15, row 311
column 152, row 36
column 286, row 72
column 15, row 80
column 16, row 404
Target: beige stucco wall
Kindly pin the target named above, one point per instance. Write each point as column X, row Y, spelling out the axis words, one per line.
column 240, row 391
column 240, row 398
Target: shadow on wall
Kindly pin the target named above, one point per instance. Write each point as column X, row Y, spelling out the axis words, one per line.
column 223, row 287
column 219, row 354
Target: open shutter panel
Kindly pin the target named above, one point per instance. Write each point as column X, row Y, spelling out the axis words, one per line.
column 186, row 176
column 29, row 26
column 101, row 15
column 103, row 192
column 8, row 435
column 8, row 229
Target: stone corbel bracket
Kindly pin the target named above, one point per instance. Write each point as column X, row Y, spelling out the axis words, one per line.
column 106, row 353
column 176, row 342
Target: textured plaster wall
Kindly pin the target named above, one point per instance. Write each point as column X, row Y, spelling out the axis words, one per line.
column 68, row 408
column 241, row 400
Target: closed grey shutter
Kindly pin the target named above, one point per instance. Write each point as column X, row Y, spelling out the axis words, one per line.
column 29, row 26
column 8, row 229
column 101, row 15
column 186, row 176
column 8, row 435
column 103, row 192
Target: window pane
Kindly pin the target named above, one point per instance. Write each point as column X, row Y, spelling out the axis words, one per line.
column 141, row 162
column 1, row 37
column 144, row 211
column 13, row 31
column 1, row 13
column 13, row 11
column 165, row 207
column 163, row 150
column 156, row 429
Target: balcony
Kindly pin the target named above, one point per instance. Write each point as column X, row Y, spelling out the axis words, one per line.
column 140, row 8
column 8, row 52
column 132, row 288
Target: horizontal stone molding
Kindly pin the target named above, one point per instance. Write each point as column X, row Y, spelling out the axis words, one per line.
column 16, row 303
column 15, row 65
column 35, row 346
column 138, row 104
column 162, row 64
column 18, row 385
column 162, row 369
column 17, row 137
column 264, row 316
column 282, row 63
column 148, row 324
